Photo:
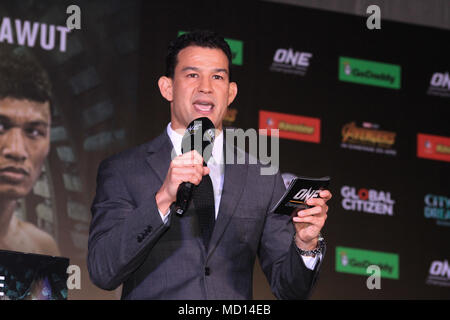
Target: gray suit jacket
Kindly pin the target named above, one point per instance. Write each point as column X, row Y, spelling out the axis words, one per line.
column 129, row 243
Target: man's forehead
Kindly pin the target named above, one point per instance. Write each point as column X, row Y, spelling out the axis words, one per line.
column 25, row 110
column 201, row 57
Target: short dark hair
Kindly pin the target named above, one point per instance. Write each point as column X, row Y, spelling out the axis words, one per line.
column 201, row 38
column 22, row 77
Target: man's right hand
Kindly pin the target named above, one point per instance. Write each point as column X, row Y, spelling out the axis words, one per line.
column 187, row 167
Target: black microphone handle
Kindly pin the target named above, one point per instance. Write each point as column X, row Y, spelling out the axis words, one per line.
column 184, row 195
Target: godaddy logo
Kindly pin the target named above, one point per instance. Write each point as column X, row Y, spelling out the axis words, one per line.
column 369, row 72
column 356, row 261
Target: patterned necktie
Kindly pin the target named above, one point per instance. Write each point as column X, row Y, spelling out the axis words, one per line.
column 203, row 198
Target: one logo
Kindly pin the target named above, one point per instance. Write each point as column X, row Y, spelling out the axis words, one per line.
column 437, row 207
column 367, row 201
column 236, row 47
column 439, row 274
column 368, row 138
column 305, row 194
column 439, row 85
column 356, row 261
column 291, row 126
column 433, row 147
column 290, row 61
column 369, row 73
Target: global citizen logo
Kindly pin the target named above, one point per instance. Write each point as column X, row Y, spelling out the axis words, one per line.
column 433, row 147
column 369, row 72
column 367, row 201
column 438, row 208
column 439, row 274
column 369, row 138
column 290, row 61
column 291, row 126
column 439, row 85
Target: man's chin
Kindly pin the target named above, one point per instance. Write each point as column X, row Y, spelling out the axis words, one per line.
column 12, row 192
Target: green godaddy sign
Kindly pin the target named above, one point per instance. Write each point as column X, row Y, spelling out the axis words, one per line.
column 237, row 50
column 356, row 261
column 369, row 72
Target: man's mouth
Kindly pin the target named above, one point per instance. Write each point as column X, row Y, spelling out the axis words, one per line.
column 203, row 106
column 13, row 174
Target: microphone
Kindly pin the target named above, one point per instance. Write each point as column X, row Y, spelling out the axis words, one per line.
column 199, row 135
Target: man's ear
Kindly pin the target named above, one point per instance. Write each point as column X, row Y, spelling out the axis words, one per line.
column 232, row 92
column 165, row 87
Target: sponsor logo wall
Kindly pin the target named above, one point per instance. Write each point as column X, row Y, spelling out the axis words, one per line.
column 437, row 207
column 369, row 138
column 369, row 72
column 439, row 274
column 290, row 61
column 291, row 126
column 343, row 98
column 356, row 261
column 439, row 85
column 433, row 147
column 367, row 200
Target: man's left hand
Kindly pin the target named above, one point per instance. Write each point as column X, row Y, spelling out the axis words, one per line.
column 309, row 222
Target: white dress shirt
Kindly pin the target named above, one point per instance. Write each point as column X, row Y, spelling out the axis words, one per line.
column 217, row 170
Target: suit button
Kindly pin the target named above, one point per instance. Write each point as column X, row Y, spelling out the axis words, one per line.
column 139, row 239
column 207, row 271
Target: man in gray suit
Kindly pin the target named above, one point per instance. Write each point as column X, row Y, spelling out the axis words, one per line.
column 136, row 239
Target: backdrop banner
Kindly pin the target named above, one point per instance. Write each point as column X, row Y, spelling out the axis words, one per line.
column 369, row 108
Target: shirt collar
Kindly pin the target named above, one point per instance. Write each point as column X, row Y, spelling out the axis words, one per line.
column 217, row 151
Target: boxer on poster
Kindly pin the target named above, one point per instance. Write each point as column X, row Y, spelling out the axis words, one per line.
column 136, row 239
column 25, row 119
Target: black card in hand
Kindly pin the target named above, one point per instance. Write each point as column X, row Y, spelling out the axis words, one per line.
column 299, row 191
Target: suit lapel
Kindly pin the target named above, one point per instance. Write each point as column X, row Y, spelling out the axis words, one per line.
column 159, row 158
column 235, row 176
column 159, row 155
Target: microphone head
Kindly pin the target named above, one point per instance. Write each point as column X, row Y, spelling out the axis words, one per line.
column 199, row 134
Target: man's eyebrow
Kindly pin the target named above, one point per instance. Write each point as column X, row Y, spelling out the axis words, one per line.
column 8, row 120
column 221, row 70
column 38, row 123
column 190, row 69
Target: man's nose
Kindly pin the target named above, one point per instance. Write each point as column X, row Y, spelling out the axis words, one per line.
column 205, row 85
column 13, row 146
